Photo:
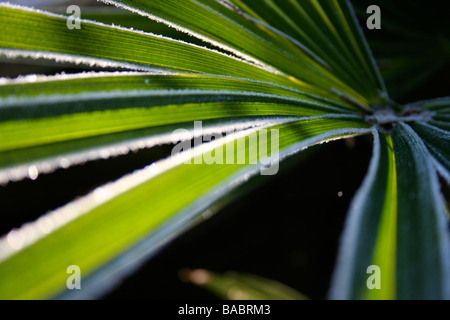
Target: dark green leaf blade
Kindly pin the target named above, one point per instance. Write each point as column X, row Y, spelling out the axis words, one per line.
column 397, row 222
column 437, row 142
column 223, row 25
column 104, row 45
column 423, row 244
column 43, row 118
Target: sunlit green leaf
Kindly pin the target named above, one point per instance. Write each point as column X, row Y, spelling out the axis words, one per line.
column 111, row 220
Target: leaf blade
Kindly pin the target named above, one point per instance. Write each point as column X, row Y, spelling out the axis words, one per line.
column 144, row 51
column 105, row 235
column 422, row 249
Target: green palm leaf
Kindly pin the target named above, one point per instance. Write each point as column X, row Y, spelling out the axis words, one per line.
column 397, row 222
column 299, row 70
